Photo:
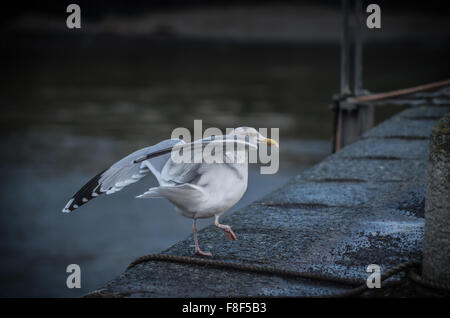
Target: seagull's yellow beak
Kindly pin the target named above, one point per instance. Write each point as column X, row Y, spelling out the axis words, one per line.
column 270, row 142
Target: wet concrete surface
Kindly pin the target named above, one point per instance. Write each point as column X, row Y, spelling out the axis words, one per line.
column 363, row 205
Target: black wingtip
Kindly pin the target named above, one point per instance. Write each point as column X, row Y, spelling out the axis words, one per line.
column 88, row 192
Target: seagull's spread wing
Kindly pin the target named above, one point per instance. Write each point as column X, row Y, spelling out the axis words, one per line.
column 154, row 158
column 123, row 173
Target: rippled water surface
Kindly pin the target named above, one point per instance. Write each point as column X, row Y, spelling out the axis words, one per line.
column 67, row 114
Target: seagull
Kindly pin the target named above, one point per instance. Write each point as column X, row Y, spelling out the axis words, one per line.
column 196, row 189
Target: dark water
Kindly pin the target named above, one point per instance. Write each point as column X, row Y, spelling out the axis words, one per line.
column 68, row 112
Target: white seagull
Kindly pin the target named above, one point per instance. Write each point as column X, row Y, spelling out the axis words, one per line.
column 197, row 190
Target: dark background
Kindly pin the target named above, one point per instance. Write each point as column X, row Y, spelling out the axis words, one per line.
column 75, row 101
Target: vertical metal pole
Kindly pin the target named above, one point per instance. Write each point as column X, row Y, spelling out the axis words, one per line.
column 345, row 88
column 365, row 113
column 357, row 85
column 339, row 113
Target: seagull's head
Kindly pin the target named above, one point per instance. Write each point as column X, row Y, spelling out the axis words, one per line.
column 253, row 135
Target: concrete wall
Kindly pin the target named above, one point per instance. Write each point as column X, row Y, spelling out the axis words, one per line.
column 436, row 260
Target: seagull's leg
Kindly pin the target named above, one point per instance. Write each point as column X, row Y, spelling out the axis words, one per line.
column 198, row 251
column 229, row 233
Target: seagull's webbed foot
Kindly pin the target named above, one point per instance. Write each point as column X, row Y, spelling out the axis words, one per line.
column 229, row 234
column 198, row 251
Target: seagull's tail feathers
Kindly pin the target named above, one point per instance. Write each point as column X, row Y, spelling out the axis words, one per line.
column 151, row 193
column 176, row 193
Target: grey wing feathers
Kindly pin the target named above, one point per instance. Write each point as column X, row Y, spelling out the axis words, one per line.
column 181, row 173
column 123, row 173
column 188, row 176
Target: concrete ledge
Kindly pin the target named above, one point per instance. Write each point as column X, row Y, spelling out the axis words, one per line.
column 361, row 206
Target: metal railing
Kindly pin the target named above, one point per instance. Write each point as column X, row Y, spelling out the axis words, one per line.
column 353, row 108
